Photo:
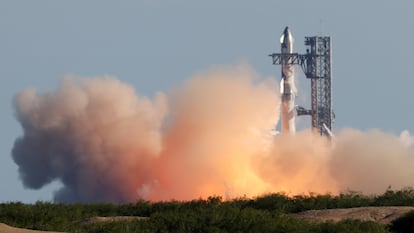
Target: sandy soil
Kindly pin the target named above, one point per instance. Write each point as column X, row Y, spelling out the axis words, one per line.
column 382, row 215
column 8, row 229
column 111, row 219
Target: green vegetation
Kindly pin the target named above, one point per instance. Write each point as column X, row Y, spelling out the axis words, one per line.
column 404, row 224
column 269, row 213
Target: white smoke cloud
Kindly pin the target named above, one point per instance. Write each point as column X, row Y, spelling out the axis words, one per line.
column 372, row 161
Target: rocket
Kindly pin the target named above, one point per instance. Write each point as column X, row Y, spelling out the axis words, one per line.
column 287, row 85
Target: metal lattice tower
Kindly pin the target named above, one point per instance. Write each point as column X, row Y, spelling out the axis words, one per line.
column 319, row 72
column 317, row 66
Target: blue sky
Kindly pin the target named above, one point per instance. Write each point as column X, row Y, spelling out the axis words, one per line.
column 157, row 44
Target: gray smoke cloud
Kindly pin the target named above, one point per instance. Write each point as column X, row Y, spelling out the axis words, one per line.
column 87, row 134
column 210, row 136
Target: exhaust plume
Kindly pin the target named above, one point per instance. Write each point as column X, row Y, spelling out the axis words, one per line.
column 210, row 136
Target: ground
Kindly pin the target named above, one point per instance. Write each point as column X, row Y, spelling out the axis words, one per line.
column 382, row 215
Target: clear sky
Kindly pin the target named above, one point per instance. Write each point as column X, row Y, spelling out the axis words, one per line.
column 156, row 44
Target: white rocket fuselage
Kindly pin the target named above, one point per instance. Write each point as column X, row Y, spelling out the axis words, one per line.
column 287, row 85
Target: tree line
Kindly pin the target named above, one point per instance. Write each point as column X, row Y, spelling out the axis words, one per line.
column 267, row 213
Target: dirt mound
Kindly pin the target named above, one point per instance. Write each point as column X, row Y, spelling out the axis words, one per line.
column 8, row 229
column 111, row 219
column 382, row 215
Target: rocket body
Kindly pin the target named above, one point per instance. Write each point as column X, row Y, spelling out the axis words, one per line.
column 287, row 85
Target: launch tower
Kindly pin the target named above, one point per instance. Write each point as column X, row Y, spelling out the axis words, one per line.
column 317, row 66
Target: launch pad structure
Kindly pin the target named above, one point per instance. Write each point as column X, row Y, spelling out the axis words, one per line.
column 317, row 66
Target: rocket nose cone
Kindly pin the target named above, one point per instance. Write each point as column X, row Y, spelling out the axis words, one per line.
column 287, row 32
column 286, row 36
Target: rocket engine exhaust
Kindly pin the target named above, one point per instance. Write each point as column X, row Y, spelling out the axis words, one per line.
column 287, row 85
column 106, row 143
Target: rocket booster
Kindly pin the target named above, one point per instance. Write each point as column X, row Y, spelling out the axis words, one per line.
column 287, row 85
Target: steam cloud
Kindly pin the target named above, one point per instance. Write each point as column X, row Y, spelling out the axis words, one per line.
column 106, row 143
